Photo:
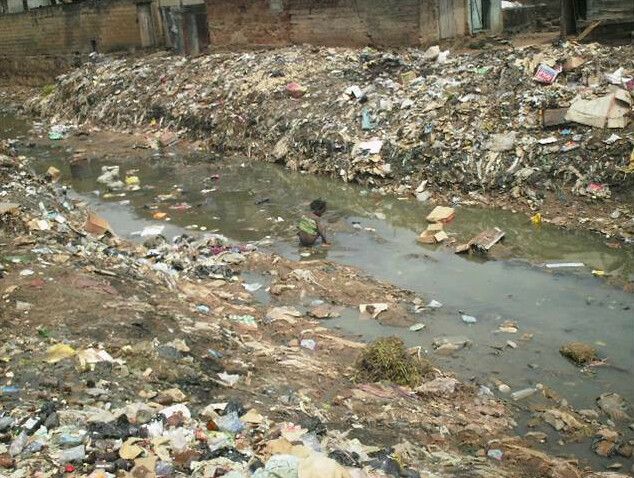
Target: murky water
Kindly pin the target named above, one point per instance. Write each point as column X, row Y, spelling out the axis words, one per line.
column 249, row 202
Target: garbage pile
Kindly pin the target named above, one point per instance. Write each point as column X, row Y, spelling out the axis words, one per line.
column 209, row 257
column 65, row 229
column 523, row 120
column 137, row 387
column 112, row 368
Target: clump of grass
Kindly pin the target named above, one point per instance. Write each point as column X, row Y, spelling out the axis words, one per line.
column 579, row 352
column 386, row 359
column 48, row 89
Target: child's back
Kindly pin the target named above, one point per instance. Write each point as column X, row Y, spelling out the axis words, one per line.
column 309, row 228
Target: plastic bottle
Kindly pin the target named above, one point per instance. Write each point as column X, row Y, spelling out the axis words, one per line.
column 520, row 394
column 77, row 453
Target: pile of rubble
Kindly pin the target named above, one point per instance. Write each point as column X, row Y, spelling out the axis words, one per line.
column 525, row 120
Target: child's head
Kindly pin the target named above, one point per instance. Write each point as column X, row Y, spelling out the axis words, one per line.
column 318, row 207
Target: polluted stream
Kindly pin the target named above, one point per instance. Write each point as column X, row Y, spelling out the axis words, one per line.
column 250, row 202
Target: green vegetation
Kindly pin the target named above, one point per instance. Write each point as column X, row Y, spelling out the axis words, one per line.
column 386, row 359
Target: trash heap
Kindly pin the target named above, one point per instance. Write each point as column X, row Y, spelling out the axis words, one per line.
column 91, row 398
column 166, row 373
column 209, row 257
column 42, row 210
column 524, row 120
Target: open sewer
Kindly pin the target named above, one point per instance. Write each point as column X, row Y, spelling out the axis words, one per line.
column 254, row 201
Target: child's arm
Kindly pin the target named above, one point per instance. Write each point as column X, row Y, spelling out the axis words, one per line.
column 321, row 232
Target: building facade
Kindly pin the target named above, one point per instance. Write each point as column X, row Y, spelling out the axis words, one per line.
column 55, row 27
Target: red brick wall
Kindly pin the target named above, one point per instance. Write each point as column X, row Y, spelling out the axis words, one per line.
column 247, row 22
column 319, row 22
column 68, row 28
column 355, row 22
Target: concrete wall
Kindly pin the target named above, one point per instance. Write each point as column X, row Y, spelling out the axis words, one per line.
column 545, row 9
column 429, row 30
column 113, row 24
column 610, row 9
column 71, row 27
column 595, row 9
column 37, row 70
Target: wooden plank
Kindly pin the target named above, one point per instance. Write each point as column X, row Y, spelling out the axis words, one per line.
column 588, row 30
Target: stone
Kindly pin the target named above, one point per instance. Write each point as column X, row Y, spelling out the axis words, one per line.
column 561, row 420
column 625, row 450
column 441, row 214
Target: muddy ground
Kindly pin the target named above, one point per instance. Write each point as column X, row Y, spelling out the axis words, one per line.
column 61, row 285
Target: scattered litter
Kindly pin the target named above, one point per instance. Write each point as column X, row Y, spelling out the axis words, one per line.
column 203, row 309
column 549, row 140
column 484, row 241
column 58, row 352
column 609, row 110
column 309, row 344
column 96, row 225
column 372, row 310
column 612, row 139
column 536, row 219
column 546, row 74
column 495, row 454
column 501, row 142
column 244, row 320
column 371, row 147
column 295, row 90
column 434, row 304
column 151, row 231
column 562, row 265
column 230, row 379
column 522, row 394
column 9, row 208
column 252, row 287
column 58, row 131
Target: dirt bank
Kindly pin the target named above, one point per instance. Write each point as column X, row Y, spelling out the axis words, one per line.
column 118, row 357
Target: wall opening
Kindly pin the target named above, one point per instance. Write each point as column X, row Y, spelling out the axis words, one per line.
column 480, row 15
